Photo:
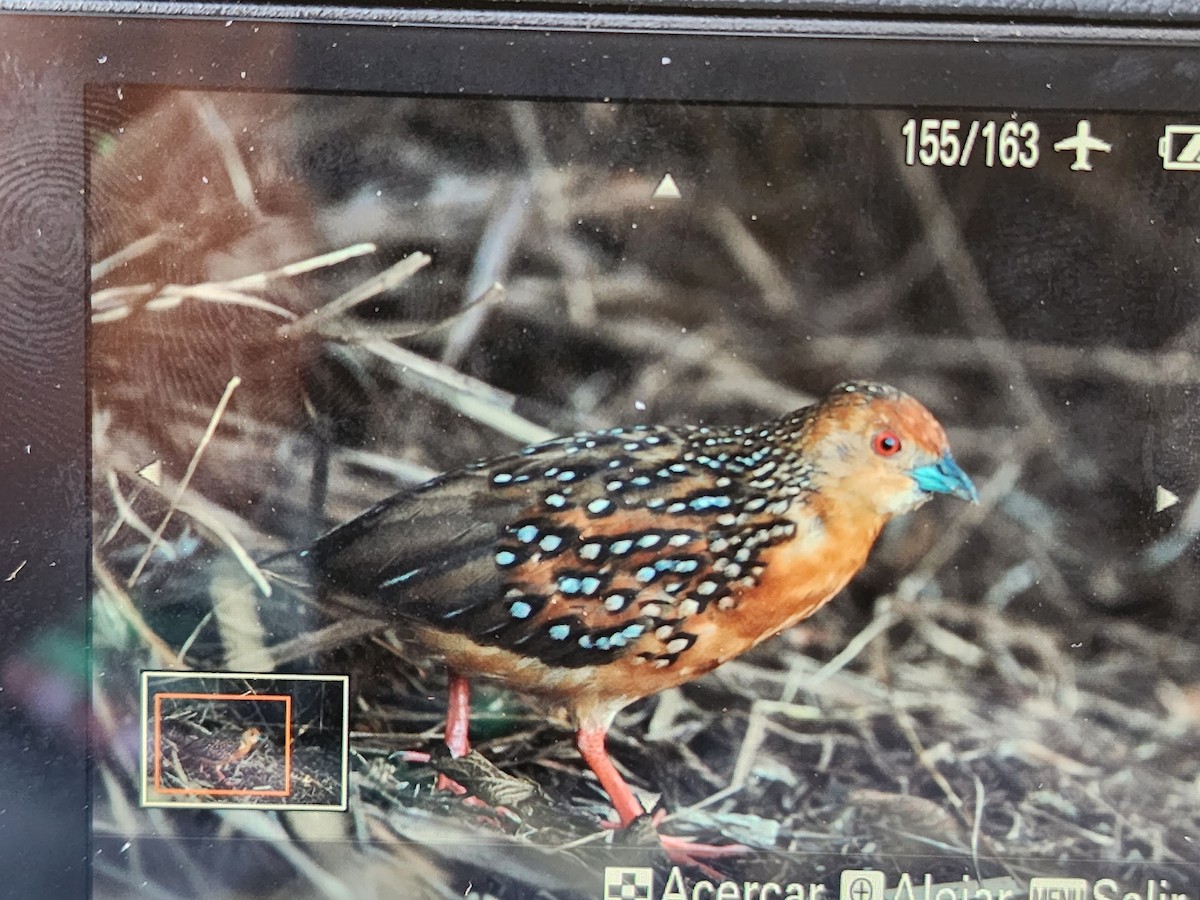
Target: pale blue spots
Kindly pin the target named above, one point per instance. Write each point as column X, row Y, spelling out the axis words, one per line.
column 615, row 486
column 709, row 501
column 615, row 463
column 632, row 445
column 527, row 534
column 599, row 506
column 585, row 641
column 501, row 478
column 590, row 584
column 631, row 632
column 640, row 480
column 550, row 543
column 400, row 579
column 551, row 472
column 520, row 610
column 645, row 574
column 621, row 547
column 602, row 643
column 560, row 632
column 520, row 478
column 647, row 541
column 615, row 602
column 558, row 501
column 677, row 507
column 569, row 584
column 567, row 475
column 677, row 468
column 656, row 502
column 506, row 558
column 590, row 551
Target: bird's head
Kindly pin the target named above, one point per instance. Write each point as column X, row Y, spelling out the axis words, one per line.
column 884, row 450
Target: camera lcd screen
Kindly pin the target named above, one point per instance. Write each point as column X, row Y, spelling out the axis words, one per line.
column 779, row 498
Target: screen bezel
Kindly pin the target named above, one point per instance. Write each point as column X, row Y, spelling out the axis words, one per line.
column 44, row 435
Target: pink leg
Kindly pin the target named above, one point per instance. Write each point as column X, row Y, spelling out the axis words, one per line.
column 458, row 716
column 590, row 742
column 458, row 723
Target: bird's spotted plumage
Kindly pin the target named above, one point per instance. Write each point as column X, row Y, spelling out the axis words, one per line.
column 601, row 567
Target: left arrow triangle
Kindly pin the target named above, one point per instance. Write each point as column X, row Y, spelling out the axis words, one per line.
column 152, row 472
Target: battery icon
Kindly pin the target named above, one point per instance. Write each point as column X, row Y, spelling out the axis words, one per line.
column 1179, row 147
column 1043, row 888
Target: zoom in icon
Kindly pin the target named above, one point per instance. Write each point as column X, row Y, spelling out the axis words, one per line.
column 861, row 884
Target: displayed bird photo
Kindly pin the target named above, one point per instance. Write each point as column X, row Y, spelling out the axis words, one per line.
column 693, row 495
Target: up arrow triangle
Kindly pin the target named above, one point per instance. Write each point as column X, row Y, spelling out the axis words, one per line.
column 667, row 189
column 1164, row 499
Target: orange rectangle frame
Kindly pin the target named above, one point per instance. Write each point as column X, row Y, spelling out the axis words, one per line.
column 224, row 792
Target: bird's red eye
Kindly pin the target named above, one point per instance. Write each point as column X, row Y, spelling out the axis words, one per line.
column 886, row 443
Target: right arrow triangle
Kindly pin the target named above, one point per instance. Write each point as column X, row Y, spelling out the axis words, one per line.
column 1164, row 499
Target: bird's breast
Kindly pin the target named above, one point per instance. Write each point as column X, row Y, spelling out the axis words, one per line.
column 798, row 579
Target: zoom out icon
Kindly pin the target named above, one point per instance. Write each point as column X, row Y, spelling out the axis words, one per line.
column 861, row 884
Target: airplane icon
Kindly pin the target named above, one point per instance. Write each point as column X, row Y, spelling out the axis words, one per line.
column 1083, row 143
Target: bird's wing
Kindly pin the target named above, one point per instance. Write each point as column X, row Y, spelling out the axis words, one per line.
column 571, row 552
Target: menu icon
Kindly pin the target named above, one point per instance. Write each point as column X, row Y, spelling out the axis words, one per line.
column 1043, row 888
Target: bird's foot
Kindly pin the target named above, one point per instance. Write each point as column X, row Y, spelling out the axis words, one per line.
column 681, row 851
column 442, row 782
column 686, row 852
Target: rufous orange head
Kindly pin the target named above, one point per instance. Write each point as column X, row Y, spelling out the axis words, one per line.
column 883, row 450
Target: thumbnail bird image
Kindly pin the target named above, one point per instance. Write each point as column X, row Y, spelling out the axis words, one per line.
column 599, row 568
column 208, row 756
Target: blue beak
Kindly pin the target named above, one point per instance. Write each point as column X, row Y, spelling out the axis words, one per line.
column 945, row 477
